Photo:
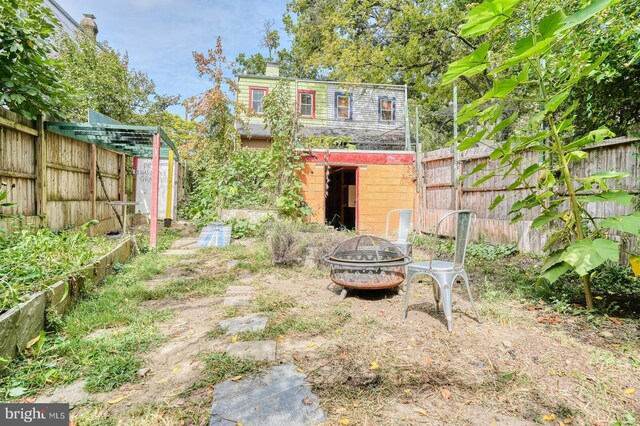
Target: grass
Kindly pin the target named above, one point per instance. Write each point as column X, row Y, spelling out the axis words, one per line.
column 108, row 360
column 298, row 325
column 219, row 367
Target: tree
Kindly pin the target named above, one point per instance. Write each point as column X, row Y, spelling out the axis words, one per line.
column 255, row 64
column 215, row 110
column 103, row 81
column 270, row 39
column 539, row 71
column 28, row 73
column 390, row 41
column 608, row 96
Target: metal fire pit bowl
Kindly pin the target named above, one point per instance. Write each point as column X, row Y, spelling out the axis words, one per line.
column 367, row 263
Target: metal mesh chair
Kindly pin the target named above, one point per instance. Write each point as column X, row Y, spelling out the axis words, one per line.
column 404, row 227
column 445, row 273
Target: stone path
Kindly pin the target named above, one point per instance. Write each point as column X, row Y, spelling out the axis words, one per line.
column 251, row 322
column 183, row 247
column 278, row 396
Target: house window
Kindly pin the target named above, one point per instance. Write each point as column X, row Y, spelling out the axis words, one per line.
column 386, row 109
column 307, row 102
column 256, row 98
column 343, row 106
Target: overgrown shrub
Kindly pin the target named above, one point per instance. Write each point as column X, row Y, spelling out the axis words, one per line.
column 286, row 244
column 238, row 183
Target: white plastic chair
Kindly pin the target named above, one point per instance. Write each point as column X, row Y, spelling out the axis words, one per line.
column 445, row 273
column 404, row 228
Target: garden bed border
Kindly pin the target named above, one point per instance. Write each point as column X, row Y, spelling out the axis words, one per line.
column 25, row 321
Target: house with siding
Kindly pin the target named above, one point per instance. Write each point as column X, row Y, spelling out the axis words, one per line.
column 350, row 188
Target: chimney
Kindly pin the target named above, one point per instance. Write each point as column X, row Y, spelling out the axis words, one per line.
column 273, row 69
column 88, row 25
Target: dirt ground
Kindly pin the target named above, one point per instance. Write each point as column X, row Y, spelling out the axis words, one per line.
column 521, row 365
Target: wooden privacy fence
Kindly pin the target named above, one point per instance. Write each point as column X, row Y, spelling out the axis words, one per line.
column 57, row 180
column 439, row 194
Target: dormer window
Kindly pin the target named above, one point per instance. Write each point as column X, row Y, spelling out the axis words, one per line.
column 256, row 98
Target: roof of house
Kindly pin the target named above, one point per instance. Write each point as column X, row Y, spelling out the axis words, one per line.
column 267, row 77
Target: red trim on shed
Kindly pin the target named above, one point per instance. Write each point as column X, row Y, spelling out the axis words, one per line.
column 355, row 157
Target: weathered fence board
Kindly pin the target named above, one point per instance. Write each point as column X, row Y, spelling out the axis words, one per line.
column 59, row 180
column 441, row 195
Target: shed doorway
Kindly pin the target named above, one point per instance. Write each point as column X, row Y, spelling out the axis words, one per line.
column 341, row 201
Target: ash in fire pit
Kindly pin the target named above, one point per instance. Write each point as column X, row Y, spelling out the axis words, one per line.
column 367, row 263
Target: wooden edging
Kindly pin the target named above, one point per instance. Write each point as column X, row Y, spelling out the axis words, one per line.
column 22, row 323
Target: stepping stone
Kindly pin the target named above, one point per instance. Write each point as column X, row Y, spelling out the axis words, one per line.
column 233, row 263
column 184, row 243
column 245, row 277
column 259, row 350
column 251, row 322
column 274, row 397
column 181, row 252
column 237, row 301
column 239, row 289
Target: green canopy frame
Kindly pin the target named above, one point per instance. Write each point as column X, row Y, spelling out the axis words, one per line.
column 139, row 141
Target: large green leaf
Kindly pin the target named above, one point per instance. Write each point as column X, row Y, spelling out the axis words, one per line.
column 524, row 52
column 545, row 218
column 586, row 255
column 486, row 16
column 551, row 23
column 612, row 196
column 553, row 273
column 629, row 223
column 468, row 66
column 585, row 13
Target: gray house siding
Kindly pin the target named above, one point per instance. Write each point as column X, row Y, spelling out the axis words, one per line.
column 364, row 126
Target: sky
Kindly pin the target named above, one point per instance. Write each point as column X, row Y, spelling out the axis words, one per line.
column 160, row 35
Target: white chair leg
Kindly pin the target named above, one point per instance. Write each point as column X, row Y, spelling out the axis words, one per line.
column 473, row 304
column 407, row 294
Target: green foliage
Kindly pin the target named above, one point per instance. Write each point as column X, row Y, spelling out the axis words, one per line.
column 491, row 252
column 102, row 80
column 239, row 182
column 280, row 119
column 108, row 358
column 540, row 71
column 214, row 110
column 32, row 259
column 28, row 73
column 242, row 228
column 255, row 64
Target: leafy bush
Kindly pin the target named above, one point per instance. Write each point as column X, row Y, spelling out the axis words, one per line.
column 285, row 242
column 491, row 251
column 32, row 259
column 238, row 183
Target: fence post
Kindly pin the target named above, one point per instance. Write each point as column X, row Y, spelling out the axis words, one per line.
column 41, row 169
column 92, row 184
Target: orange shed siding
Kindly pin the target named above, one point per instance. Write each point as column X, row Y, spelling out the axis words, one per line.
column 381, row 187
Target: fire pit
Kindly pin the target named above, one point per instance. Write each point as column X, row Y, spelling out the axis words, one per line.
column 367, row 263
